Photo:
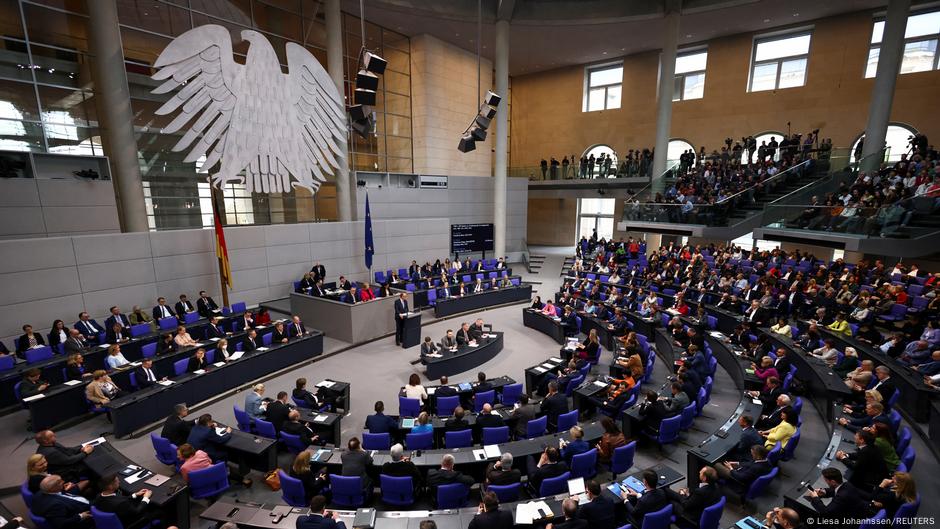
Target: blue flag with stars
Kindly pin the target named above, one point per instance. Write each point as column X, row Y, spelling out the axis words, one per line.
column 370, row 246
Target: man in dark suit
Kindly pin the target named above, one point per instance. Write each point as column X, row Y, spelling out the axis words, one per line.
column 740, row 474
column 549, row 465
column 866, row 464
column 652, row 500
column 116, row 318
column 308, row 399
column 874, row 412
column 401, row 466
column 251, row 342
column 401, row 313
column 847, row 500
column 769, row 395
column 61, row 509
column 446, row 475
column 88, row 327
column 689, row 504
column 206, row 306
column 296, row 327
column 782, row 363
column 204, row 436
column 319, row 518
column 294, row 426
column 357, row 462
column 176, row 428
column 885, row 385
column 488, row 419
column 476, row 330
column 318, row 290
column 501, row 473
column 277, row 411
column 457, row 422
column 749, row 437
column 318, row 271
column 76, row 343
column 490, row 517
column 379, row 422
column 653, row 411
column 755, row 316
column 145, row 375
column 444, row 390
column 569, row 507
column 769, row 420
column 553, row 405
column 599, row 512
column 482, row 384
column 162, row 310
column 523, row 413
column 183, row 307
column 569, row 322
column 214, row 329
column 463, row 335
column 65, row 461
column 130, row 510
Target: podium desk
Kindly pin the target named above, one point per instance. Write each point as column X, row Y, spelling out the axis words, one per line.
column 549, row 325
column 487, row 298
column 350, row 322
column 411, row 334
column 465, row 358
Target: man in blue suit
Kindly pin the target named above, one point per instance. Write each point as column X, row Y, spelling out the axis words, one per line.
column 379, row 422
column 253, row 401
column 318, row 518
column 89, row 328
column 204, row 437
column 116, row 317
column 749, row 438
column 61, row 509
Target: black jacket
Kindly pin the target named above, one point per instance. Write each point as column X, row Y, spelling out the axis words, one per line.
column 130, row 510
column 206, row 306
column 61, row 512
column 140, row 375
column 544, row 472
column 598, row 513
column 867, row 468
column 748, row 472
column 176, row 429
column 698, row 499
column 299, row 429
column 277, row 414
column 553, row 406
column 439, row 476
column 847, row 502
column 66, row 461
column 492, row 520
column 651, row 501
column 195, row 364
column 250, row 345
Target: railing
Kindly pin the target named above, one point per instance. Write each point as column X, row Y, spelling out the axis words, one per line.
column 884, row 221
column 573, row 172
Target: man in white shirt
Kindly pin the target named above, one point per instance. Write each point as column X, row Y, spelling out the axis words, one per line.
column 161, row 310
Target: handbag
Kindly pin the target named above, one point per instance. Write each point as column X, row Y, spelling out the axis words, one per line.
column 273, row 480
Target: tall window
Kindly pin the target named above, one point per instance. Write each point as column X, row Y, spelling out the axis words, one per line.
column 896, row 141
column 600, row 170
column 920, row 44
column 780, row 61
column 603, row 85
column 596, row 214
column 675, row 149
column 690, row 75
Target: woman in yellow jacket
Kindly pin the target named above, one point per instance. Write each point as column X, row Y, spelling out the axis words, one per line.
column 783, row 431
column 840, row 325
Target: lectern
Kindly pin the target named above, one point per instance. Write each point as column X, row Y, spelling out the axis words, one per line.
column 412, row 331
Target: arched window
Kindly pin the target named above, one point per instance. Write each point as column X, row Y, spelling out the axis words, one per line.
column 764, row 137
column 597, row 151
column 675, row 149
column 896, row 139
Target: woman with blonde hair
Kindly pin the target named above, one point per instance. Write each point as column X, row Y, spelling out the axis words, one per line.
column 894, row 492
column 590, row 348
column 37, row 469
column 315, row 483
column 101, row 390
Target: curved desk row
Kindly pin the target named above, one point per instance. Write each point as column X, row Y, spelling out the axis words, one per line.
column 464, row 390
column 465, row 358
column 94, row 359
column 482, row 300
column 134, row 411
column 550, row 325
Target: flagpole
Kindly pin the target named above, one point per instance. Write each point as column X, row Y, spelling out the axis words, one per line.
column 215, row 198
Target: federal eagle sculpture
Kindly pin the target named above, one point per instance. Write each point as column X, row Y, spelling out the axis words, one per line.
column 252, row 117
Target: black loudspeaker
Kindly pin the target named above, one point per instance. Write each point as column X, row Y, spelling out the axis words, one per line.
column 367, row 80
column 488, row 112
column 492, row 99
column 466, row 144
column 363, row 127
column 374, row 63
column 482, row 122
column 365, row 97
column 360, row 112
column 478, row 133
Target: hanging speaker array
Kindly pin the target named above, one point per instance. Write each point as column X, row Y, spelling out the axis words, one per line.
column 476, row 131
column 367, row 83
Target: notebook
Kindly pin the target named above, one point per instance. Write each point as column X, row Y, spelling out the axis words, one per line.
column 635, row 484
column 465, row 386
column 322, row 455
column 407, row 423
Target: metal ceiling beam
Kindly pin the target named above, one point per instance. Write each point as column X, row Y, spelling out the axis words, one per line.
column 504, row 9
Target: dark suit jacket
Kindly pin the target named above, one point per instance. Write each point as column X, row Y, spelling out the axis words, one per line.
column 868, row 468
column 489, row 421
column 206, row 439
column 463, row 338
column 129, row 510
column 277, row 414
column 183, row 308
column 553, row 406
column 402, row 469
column 316, row 521
column 63, row 460
column 847, row 502
column 319, row 272
column 120, row 318
column 141, row 376
column 248, row 345
column 112, row 337
column 492, row 520
column 573, row 523
column 886, row 387
column 24, row 342
column 158, row 314
column 213, row 331
column 651, row 501
column 176, row 430
column 277, row 336
column 544, row 472
column 80, row 325
column 598, row 513
column 455, row 425
column 495, row 476
column 401, row 307
column 356, row 463
column 697, row 500
column 72, row 346
column 196, row 364
column 439, row 476
column 292, row 329
column 748, row 471
column 300, row 429
column 380, row 423
column 309, row 399
column 61, row 512
column 206, row 307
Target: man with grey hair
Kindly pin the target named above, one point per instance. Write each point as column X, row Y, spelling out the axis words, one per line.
column 253, row 401
column 570, row 508
column 176, row 428
column 401, row 465
column 59, row 508
column 885, row 385
column 772, row 419
column 501, row 472
column 446, row 475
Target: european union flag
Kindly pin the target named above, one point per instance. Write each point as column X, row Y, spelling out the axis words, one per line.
column 370, row 247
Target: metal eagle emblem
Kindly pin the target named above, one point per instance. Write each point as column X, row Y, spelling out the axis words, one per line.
column 252, row 117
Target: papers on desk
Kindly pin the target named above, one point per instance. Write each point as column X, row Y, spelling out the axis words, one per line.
column 757, row 401
column 262, row 349
column 600, row 383
column 433, row 355
column 548, row 365
column 326, row 384
column 139, row 475
column 554, row 359
column 555, row 318
column 219, row 430
column 539, row 369
column 3, row 521
column 431, row 390
column 479, row 455
column 716, row 334
column 219, row 364
column 104, row 345
column 34, row 397
column 260, row 326
column 489, row 336
column 165, row 382
column 492, row 451
column 199, row 372
column 473, row 344
column 134, row 364
column 526, row 513
column 320, row 418
column 214, row 339
column 236, row 355
column 72, row 382
column 94, row 442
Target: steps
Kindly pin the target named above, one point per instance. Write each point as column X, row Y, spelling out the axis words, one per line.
column 535, row 263
column 566, row 266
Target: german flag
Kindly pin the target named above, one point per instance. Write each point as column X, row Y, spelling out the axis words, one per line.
column 221, row 251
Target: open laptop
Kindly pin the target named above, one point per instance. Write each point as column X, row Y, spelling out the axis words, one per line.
column 576, row 490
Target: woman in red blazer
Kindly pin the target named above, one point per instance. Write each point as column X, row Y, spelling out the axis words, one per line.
column 366, row 294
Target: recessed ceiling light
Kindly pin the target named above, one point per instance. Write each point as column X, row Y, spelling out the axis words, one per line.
column 457, row 34
column 603, row 53
column 689, row 36
column 796, row 14
column 623, row 49
column 766, row 20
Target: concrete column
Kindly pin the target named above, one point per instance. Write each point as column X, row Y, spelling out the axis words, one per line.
column 882, row 93
column 502, row 138
column 345, row 194
column 667, row 74
column 117, row 119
